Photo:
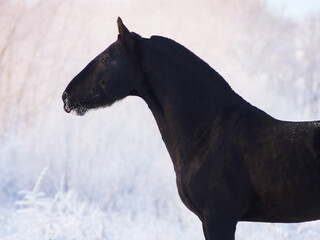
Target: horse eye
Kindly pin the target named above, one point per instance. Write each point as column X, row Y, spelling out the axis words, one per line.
column 106, row 59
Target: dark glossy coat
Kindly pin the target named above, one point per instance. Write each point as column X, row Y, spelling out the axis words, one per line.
column 233, row 162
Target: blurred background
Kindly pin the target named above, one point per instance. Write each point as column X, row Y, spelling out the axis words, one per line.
column 107, row 175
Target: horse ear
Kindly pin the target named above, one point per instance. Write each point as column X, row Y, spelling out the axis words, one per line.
column 124, row 33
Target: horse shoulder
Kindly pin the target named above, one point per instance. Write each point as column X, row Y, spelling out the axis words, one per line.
column 215, row 167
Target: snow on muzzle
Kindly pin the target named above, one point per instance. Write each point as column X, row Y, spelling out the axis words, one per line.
column 65, row 98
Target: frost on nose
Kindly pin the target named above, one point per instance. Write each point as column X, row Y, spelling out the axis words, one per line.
column 66, row 102
column 66, row 107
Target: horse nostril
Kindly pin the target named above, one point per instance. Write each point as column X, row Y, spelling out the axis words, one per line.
column 64, row 96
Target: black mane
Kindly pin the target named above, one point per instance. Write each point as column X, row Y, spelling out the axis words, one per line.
column 189, row 58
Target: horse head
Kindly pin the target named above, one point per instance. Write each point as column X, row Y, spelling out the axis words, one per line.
column 109, row 77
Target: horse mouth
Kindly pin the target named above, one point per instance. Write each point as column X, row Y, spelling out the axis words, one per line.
column 79, row 110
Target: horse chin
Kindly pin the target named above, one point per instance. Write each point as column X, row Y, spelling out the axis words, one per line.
column 79, row 111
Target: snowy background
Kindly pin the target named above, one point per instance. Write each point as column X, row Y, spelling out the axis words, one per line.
column 107, row 175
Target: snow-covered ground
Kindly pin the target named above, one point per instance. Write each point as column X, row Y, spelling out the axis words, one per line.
column 107, row 175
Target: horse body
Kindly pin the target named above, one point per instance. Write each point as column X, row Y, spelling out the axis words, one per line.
column 233, row 162
column 197, row 115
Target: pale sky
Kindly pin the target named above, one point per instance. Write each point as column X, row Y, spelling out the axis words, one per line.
column 295, row 8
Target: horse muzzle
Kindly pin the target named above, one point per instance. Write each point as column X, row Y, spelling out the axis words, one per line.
column 78, row 109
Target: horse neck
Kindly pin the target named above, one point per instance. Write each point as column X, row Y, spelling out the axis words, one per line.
column 184, row 94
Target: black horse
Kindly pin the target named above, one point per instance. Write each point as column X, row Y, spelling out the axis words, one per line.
column 233, row 162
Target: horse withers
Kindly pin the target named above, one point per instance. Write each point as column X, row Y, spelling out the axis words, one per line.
column 233, row 162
